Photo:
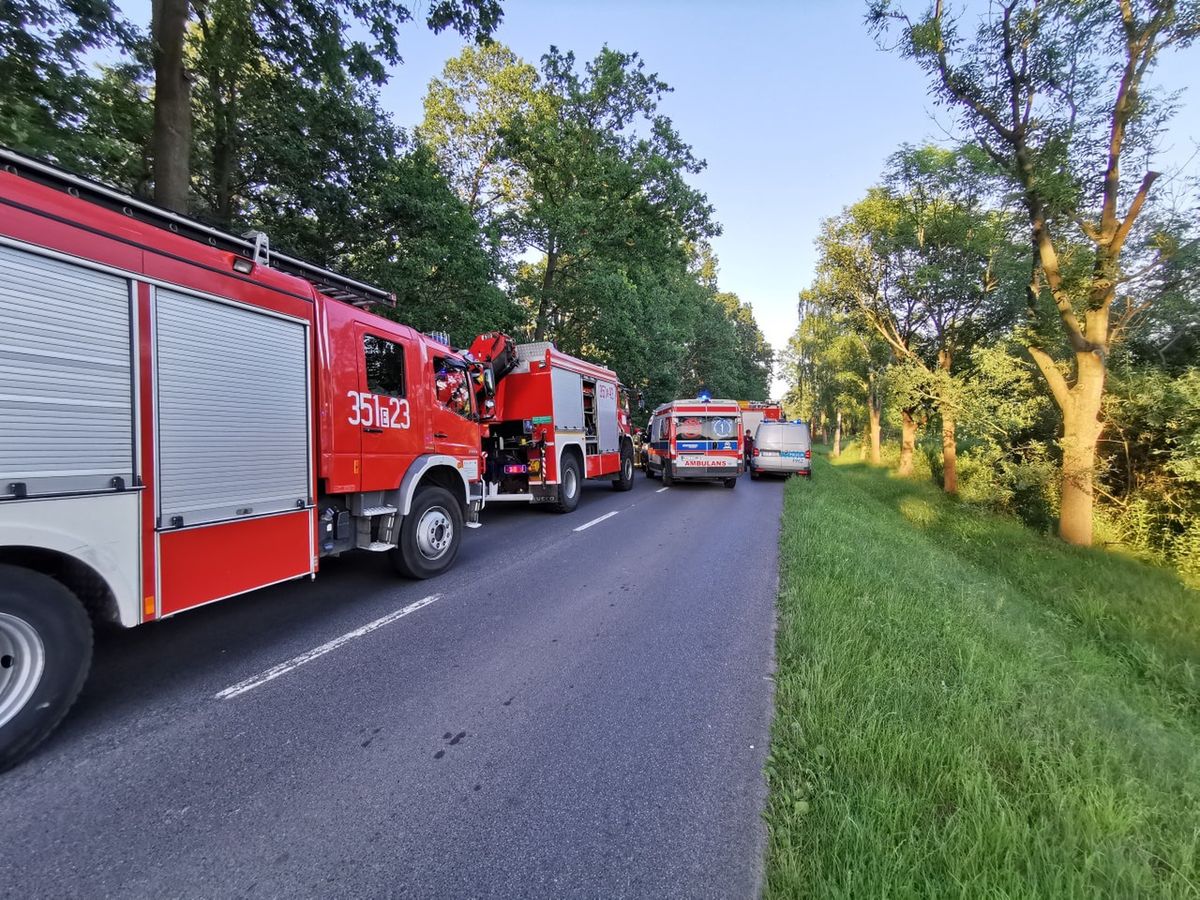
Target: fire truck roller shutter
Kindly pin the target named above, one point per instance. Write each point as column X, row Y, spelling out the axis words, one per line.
column 66, row 377
column 606, row 417
column 568, row 400
column 232, row 411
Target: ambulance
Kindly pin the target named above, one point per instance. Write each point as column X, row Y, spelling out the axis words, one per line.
column 694, row 439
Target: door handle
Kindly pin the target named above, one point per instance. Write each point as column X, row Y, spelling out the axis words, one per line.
column 440, row 434
column 373, row 430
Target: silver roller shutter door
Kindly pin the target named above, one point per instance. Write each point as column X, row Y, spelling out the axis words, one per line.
column 232, row 411
column 66, row 377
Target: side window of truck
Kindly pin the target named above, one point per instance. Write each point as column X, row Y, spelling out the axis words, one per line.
column 385, row 366
column 452, row 387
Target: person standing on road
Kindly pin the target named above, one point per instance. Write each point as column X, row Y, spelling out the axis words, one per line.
column 748, row 445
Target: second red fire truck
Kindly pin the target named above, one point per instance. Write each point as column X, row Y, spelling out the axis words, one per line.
column 186, row 416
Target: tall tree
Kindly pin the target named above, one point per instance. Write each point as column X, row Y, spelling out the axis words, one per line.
column 468, row 109
column 606, row 180
column 1055, row 93
column 920, row 262
column 311, row 41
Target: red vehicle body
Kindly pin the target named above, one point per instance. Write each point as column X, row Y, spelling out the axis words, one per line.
column 556, row 420
column 756, row 411
column 188, row 416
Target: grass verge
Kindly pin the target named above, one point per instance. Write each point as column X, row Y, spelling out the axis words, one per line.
column 967, row 708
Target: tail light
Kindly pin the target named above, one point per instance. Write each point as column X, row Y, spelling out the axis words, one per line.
column 808, row 454
column 754, row 452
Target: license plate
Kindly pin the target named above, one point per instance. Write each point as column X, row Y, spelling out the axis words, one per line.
column 768, row 452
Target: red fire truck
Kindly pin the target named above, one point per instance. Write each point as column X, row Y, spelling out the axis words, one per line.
column 696, row 439
column 756, row 411
column 552, row 421
column 186, row 416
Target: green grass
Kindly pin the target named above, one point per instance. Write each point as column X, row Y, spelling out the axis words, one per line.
column 967, row 708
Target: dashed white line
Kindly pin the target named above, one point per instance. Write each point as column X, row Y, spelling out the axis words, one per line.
column 296, row 661
column 660, row 490
column 587, row 525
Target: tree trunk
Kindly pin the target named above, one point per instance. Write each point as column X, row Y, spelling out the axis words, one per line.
column 837, row 436
column 172, row 137
column 949, row 437
column 949, row 454
column 1081, row 434
column 876, row 429
column 544, row 302
column 908, row 441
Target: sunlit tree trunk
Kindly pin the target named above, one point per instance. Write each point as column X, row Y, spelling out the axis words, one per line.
column 875, row 414
column 949, row 436
column 837, row 436
column 908, row 441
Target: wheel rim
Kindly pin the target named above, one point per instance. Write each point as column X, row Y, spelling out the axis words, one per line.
column 435, row 533
column 627, row 468
column 570, row 483
column 22, row 661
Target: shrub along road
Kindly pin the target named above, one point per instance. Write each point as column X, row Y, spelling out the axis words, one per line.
column 967, row 708
column 578, row 713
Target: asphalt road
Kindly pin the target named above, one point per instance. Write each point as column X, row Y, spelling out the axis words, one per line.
column 578, row 714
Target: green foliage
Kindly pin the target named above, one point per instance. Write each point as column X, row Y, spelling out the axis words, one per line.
column 963, row 709
column 46, row 90
column 1153, row 463
column 583, row 185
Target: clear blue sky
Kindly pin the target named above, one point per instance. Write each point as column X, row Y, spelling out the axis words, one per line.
column 789, row 101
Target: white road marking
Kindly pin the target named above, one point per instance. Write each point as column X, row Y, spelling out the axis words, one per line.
column 587, row 525
column 660, row 490
column 295, row 662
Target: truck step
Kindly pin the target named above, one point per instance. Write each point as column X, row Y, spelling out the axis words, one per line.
column 379, row 510
column 378, row 546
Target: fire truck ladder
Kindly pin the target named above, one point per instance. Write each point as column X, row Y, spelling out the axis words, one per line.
column 254, row 246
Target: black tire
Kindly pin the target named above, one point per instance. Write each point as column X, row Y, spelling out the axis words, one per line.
column 39, row 615
column 570, row 484
column 646, row 467
column 667, row 477
column 731, row 483
column 430, row 534
column 624, row 480
column 754, row 475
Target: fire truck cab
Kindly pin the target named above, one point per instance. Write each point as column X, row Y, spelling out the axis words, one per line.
column 556, row 420
column 696, row 439
column 186, row 416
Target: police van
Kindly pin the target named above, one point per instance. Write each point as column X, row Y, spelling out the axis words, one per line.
column 699, row 438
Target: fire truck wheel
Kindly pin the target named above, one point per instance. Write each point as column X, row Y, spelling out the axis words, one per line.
column 731, row 483
column 45, row 652
column 569, row 480
column 430, row 534
column 624, row 481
